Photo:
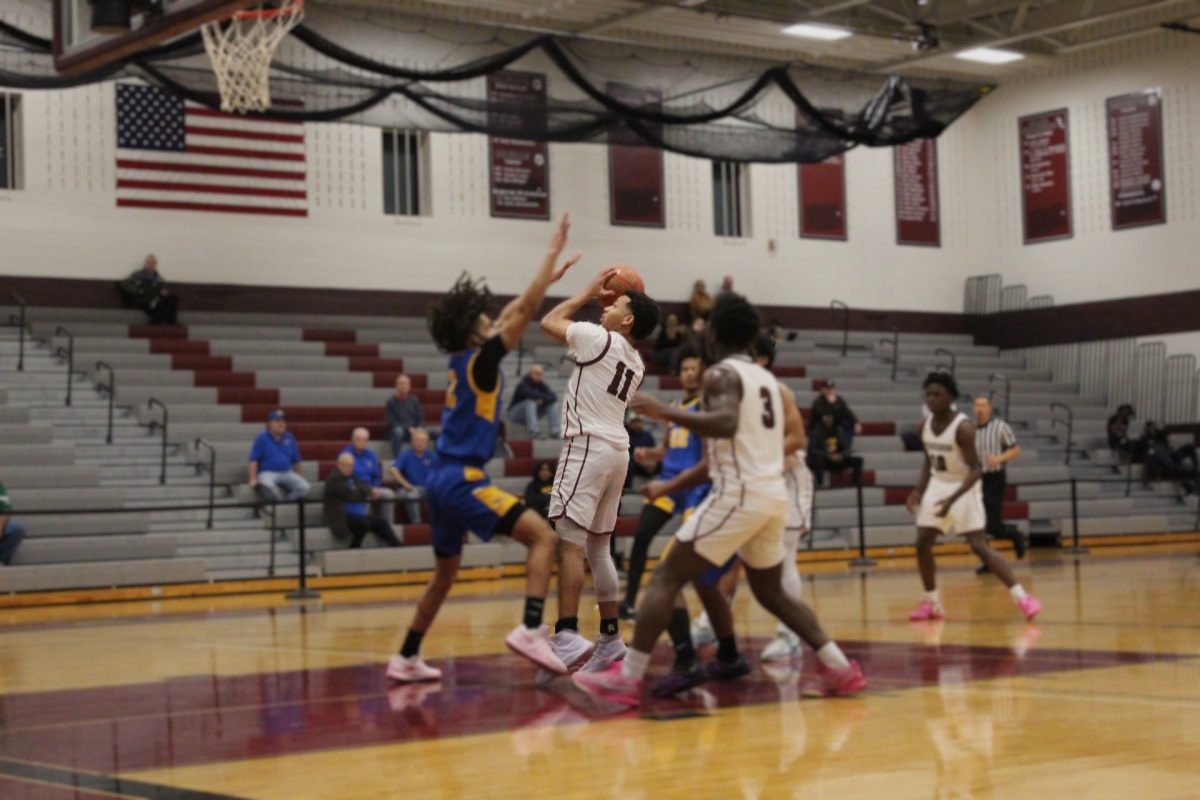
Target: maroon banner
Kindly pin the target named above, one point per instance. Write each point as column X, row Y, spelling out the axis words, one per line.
column 1135, row 159
column 1045, row 176
column 918, row 216
column 635, row 169
column 520, row 168
column 823, row 199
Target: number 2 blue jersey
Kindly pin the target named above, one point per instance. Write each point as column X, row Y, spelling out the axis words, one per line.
column 471, row 419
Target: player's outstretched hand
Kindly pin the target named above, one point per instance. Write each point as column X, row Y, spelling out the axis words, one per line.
column 912, row 502
column 558, row 240
column 654, row 490
column 647, row 406
column 570, row 262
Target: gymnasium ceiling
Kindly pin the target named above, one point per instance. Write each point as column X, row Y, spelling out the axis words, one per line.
column 890, row 36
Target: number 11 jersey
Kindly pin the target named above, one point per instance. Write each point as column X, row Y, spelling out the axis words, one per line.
column 608, row 372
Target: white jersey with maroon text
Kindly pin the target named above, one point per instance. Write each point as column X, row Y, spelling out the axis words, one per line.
column 946, row 460
column 752, row 461
column 608, row 371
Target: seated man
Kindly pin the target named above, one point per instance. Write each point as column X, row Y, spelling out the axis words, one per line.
column 345, row 502
column 411, row 470
column 11, row 531
column 829, row 450
column 1163, row 462
column 404, row 413
column 275, row 462
column 537, row 491
column 828, row 402
column 1118, row 433
column 532, row 400
column 146, row 289
column 368, row 470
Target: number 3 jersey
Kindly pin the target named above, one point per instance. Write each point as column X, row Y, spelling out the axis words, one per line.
column 608, row 373
column 946, row 461
column 751, row 463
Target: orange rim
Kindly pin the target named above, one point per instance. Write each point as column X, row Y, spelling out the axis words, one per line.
column 271, row 13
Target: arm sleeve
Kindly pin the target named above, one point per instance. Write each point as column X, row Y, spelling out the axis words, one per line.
column 392, row 418
column 846, row 410
column 485, row 369
column 1008, row 439
column 256, row 449
column 296, row 452
column 586, row 341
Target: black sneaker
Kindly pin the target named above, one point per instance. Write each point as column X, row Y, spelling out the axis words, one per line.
column 984, row 569
column 683, row 676
column 626, row 612
column 719, row 670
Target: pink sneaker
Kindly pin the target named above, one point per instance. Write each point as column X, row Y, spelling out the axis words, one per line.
column 1029, row 606
column 842, row 682
column 927, row 610
column 411, row 670
column 610, row 684
column 534, row 644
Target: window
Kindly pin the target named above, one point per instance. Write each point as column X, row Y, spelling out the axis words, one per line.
column 731, row 215
column 10, row 141
column 404, row 171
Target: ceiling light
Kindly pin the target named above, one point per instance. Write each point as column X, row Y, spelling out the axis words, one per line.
column 828, row 33
column 990, row 55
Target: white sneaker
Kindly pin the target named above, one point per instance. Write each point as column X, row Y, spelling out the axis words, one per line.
column 702, row 631
column 784, row 647
column 609, row 650
column 571, row 648
column 534, row 644
column 411, row 670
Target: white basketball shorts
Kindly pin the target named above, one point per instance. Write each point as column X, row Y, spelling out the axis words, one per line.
column 588, row 483
column 749, row 525
column 966, row 515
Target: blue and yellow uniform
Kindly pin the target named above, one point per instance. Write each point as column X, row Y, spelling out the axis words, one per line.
column 460, row 493
column 684, row 451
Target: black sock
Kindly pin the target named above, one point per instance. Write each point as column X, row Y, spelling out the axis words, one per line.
column 680, row 630
column 727, row 648
column 567, row 624
column 608, row 627
column 534, row 606
column 412, row 643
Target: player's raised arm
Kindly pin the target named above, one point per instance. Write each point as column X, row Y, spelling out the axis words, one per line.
column 795, row 437
column 555, row 323
column 516, row 316
column 719, row 420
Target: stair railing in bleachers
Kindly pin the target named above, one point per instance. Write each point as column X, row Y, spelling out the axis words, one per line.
column 212, row 475
column 941, row 351
column 111, row 388
column 166, row 420
column 1006, row 412
column 1069, row 422
column 302, row 592
column 69, row 353
column 845, row 324
column 20, row 320
column 895, row 343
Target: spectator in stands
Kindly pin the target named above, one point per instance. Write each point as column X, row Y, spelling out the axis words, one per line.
column 404, row 414
column 1118, row 432
column 532, row 400
column 1163, row 462
column 701, row 303
column 368, row 470
column 146, row 289
column 345, row 501
column 829, row 449
column 11, row 531
column 828, row 402
column 726, row 284
column 639, row 437
column 537, row 493
column 275, row 461
column 670, row 338
column 412, row 470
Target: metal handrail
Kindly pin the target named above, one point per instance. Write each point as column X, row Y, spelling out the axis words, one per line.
column 895, row 342
column 212, row 475
column 996, row 376
column 1069, row 422
column 845, row 324
column 302, row 592
column 953, row 360
column 20, row 320
column 69, row 352
column 111, row 387
column 154, row 401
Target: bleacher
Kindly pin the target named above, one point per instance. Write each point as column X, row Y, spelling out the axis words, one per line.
column 219, row 373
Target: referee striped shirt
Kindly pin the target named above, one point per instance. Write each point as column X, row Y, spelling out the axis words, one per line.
column 992, row 439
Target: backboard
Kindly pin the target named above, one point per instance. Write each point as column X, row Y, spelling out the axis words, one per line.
column 78, row 49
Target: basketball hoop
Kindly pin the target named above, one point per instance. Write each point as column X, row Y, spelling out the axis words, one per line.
column 241, row 49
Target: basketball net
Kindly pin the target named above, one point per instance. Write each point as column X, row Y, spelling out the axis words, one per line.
column 241, row 49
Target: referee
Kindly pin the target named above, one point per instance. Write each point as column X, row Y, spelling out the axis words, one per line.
column 996, row 445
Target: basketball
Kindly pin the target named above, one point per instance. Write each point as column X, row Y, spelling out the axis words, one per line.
column 627, row 279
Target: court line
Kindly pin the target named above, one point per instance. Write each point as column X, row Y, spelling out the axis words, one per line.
column 101, row 783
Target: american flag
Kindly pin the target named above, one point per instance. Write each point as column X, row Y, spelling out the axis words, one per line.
column 175, row 154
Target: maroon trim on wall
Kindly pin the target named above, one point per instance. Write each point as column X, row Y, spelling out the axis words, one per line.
column 1149, row 315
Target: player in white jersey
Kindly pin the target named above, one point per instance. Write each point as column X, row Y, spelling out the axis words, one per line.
column 744, row 422
column 586, row 497
column 948, row 498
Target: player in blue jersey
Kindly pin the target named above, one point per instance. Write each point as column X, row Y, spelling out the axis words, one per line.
column 461, row 496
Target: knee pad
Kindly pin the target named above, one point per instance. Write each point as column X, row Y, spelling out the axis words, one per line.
column 571, row 533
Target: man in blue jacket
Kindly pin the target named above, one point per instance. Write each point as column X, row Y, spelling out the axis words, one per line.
column 532, row 400
column 275, row 461
column 368, row 470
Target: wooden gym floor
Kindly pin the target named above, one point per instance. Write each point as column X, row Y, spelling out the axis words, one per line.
column 253, row 697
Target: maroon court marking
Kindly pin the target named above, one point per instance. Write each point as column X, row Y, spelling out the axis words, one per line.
column 208, row 719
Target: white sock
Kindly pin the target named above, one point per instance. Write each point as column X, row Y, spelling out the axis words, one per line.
column 831, row 656
column 1018, row 592
column 635, row 663
column 933, row 597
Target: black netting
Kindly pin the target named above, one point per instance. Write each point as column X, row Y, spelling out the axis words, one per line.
column 393, row 70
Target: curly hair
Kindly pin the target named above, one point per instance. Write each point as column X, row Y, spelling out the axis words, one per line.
column 735, row 321
column 452, row 320
column 645, row 314
column 943, row 379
